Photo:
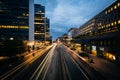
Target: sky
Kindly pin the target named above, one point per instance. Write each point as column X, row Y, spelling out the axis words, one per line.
column 66, row 14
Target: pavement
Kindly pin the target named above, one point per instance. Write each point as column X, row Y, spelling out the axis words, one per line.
column 108, row 69
column 25, row 54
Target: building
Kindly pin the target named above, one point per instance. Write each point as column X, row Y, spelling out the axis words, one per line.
column 100, row 35
column 65, row 39
column 47, row 31
column 42, row 24
column 39, row 23
column 16, row 25
column 72, row 33
column 14, row 19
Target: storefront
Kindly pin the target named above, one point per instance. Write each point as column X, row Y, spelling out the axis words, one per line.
column 94, row 51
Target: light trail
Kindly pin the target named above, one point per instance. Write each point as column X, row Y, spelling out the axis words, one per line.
column 45, row 63
column 30, row 60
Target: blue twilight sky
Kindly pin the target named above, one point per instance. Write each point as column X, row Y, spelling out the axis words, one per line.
column 64, row 14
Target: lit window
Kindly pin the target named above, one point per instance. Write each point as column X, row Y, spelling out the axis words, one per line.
column 23, row 14
column 107, row 26
column 106, row 12
column 112, row 24
column 118, row 4
column 115, row 7
column 109, row 10
column 115, row 23
column 118, row 21
column 27, row 14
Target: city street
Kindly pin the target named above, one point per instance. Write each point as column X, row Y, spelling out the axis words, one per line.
column 106, row 68
column 59, row 40
column 58, row 63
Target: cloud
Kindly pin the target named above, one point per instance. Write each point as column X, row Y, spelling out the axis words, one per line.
column 75, row 12
column 65, row 14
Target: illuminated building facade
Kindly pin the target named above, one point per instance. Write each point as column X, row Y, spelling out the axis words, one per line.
column 72, row 33
column 14, row 19
column 47, row 31
column 101, row 35
column 39, row 22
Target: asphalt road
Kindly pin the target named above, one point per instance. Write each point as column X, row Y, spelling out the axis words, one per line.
column 55, row 63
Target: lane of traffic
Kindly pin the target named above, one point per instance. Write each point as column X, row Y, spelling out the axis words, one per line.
column 89, row 71
column 14, row 70
column 76, row 73
column 41, row 71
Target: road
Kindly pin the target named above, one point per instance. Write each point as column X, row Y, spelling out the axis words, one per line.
column 55, row 63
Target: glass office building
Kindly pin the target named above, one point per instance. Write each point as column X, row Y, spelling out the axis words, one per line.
column 14, row 19
column 39, row 23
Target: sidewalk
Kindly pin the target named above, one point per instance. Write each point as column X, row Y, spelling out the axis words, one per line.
column 25, row 54
column 110, row 70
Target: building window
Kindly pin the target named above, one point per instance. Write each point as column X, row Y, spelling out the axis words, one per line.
column 115, row 7
column 118, row 4
column 111, row 9
column 115, row 23
column 112, row 24
column 118, row 21
column 106, row 12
